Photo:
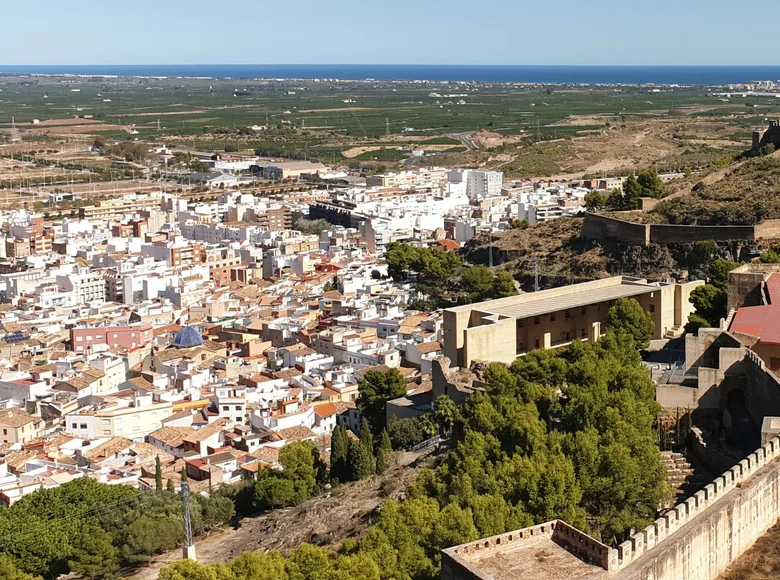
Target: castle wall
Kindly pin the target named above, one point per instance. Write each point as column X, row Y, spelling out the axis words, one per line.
column 702, row 536
column 600, row 228
column 665, row 234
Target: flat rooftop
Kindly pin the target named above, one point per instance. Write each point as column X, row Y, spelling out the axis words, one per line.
column 535, row 558
column 538, row 303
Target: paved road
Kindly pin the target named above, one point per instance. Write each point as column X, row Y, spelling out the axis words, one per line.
column 467, row 139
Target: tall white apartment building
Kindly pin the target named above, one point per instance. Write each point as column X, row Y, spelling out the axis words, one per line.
column 482, row 184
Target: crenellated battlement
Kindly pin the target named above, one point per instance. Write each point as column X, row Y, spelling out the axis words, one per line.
column 750, row 506
column 650, row 537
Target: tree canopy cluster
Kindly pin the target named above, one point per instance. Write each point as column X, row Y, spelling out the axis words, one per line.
column 442, row 275
column 558, row 434
column 646, row 184
column 91, row 528
column 711, row 299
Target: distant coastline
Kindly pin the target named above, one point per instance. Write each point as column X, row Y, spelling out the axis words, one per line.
column 612, row 75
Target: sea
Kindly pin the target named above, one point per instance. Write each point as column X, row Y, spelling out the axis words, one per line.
column 629, row 75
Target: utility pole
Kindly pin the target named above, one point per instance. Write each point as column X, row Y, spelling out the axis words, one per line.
column 490, row 247
column 189, row 546
column 536, row 276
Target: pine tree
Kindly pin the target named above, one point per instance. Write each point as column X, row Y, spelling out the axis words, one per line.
column 384, row 453
column 361, row 464
column 366, row 437
column 339, row 455
column 158, row 474
column 170, row 486
column 184, row 474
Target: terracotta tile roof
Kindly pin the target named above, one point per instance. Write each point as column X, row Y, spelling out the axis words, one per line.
column 325, row 410
column 342, row 406
column 142, row 383
column 268, row 454
column 108, row 449
column 17, row 417
column 206, row 432
column 296, row 433
column 428, row 347
column 172, row 436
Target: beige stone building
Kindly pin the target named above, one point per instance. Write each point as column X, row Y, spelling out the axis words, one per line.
column 503, row 329
column 18, row 426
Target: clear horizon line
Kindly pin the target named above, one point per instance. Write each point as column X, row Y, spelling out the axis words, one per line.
column 405, row 65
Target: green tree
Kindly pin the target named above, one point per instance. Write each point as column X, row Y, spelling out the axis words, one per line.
column 445, row 412
column 404, row 433
column 771, row 256
column 259, row 566
column 170, row 486
column 384, row 453
column 93, row 554
column 616, row 200
column 632, row 191
column 718, row 273
column 503, row 285
column 303, row 467
column 147, row 536
column 711, row 303
column 274, row 492
column 361, row 454
column 477, row 283
column 8, row 571
column 628, row 316
column 158, row 484
column 595, row 201
column 651, row 184
column 187, row 570
column 339, row 452
column 375, row 388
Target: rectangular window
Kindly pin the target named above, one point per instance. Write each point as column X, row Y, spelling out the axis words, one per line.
column 652, row 308
column 552, row 317
column 79, row 339
column 567, row 315
column 536, row 343
column 238, row 407
column 536, row 320
column 5, row 431
column 83, row 426
column 583, row 334
column 226, row 408
column 519, row 324
column 73, row 426
column 583, row 310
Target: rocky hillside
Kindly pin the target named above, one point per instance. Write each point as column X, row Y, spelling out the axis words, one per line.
column 745, row 195
column 563, row 258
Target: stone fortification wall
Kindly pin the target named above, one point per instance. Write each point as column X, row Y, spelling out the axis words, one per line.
column 665, row 234
column 601, row 228
column 701, row 536
column 696, row 540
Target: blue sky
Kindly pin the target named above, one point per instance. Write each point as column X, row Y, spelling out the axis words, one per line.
column 594, row 32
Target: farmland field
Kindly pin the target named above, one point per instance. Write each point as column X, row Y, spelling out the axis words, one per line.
column 377, row 124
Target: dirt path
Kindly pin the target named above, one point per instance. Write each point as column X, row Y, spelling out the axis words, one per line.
column 325, row 520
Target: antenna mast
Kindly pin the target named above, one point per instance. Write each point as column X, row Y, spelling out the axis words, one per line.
column 189, row 546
